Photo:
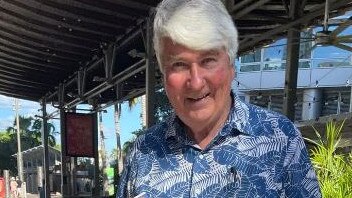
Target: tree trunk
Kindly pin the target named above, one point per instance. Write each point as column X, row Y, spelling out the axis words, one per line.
column 119, row 159
column 144, row 111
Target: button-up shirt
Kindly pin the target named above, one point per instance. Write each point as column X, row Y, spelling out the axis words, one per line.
column 257, row 153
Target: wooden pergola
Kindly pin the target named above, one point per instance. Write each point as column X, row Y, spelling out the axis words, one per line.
column 68, row 52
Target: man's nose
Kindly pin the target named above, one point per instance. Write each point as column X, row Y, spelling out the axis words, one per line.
column 196, row 80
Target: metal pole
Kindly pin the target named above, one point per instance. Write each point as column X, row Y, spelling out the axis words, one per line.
column 326, row 15
column 7, row 183
column 103, row 154
column 96, row 192
column 339, row 101
column 350, row 110
column 40, row 182
column 46, row 150
column 19, row 153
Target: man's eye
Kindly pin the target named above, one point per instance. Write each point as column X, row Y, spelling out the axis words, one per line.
column 179, row 64
column 208, row 60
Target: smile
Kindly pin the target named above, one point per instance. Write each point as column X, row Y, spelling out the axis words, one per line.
column 200, row 98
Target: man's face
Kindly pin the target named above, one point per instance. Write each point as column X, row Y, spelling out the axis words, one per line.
column 197, row 83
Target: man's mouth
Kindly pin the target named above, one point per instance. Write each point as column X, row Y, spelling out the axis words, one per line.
column 199, row 98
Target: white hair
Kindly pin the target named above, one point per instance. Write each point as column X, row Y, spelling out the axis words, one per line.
column 196, row 24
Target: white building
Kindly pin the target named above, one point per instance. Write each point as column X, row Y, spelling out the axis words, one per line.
column 323, row 86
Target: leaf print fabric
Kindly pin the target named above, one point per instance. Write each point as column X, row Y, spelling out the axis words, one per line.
column 257, row 153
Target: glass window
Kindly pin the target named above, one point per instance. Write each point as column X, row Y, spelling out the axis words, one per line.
column 331, row 62
column 330, row 52
column 237, row 64
column 282, row 65
column 249, row 68
column 304, row 64
column 306, row 44
column 276, row 51
column 251, row 57
column 274, row 66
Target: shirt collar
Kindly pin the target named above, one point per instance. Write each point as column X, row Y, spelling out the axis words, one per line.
column 237, row 121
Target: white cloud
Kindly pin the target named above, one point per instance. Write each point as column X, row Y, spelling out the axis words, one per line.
column 5, row 102
column 5, row 122
column 26, row 108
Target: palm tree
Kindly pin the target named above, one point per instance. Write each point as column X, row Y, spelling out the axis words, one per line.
column 37, row 131
column 117, row 115
column 144, row 111
column 31, row 131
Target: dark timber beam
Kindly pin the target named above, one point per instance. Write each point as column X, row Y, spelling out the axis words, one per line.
column 88, row 13
column 109, row 62
column 292, row 63
column 17, row 38
column 29, row 63
column 45, row 63
column 81, row 82
column 52, row 28
column 17, row 89
column 64, row 164
column 21, row 21
column 31, row 9
column 150, row 75
column 6, row 76
column 248, row 9
column 38, row 35
column 135, row 68
column 123, row 6
column 19, row 83
column 37, row 48
column 18, row 95
column 318, row 11
column 35, row 56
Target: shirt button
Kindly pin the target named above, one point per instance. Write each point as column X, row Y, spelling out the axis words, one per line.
column 201, row 156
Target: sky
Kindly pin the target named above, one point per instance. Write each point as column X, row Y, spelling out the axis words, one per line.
column 130, row 119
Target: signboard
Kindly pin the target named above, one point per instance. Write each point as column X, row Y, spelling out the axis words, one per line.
column 79, row 134
column 2, row 188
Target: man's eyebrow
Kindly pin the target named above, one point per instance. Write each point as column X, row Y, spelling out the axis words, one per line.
column 210, row 53
column 172, row 58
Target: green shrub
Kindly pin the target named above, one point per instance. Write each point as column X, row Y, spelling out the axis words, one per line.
column 334, row 170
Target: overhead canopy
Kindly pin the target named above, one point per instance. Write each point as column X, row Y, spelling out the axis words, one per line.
column 45, row 43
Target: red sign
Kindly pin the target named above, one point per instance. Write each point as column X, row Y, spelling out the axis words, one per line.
column 79, row 134
column 2, row 188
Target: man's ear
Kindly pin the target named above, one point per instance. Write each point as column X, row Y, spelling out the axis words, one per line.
column 162, row 79
column 233, row 71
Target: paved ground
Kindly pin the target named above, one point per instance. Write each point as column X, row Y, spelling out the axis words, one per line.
column 29, row 195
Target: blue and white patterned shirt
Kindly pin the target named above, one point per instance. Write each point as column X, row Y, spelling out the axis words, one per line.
column 257, row 153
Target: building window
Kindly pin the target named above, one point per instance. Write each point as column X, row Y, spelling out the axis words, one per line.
column 250, row 62
column 337, row 62
column 330, row 52
column 276, row 51
column 305, row 46
column 251, row 57
column 250, row 67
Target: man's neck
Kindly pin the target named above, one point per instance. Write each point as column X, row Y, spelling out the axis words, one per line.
column 203, row 136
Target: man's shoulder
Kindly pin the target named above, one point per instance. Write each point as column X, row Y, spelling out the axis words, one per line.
column 270, row 123
column 153, row 135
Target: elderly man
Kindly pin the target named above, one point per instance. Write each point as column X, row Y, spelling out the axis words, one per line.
column 214, row 145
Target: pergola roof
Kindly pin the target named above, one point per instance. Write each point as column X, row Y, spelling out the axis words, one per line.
column 45, row 43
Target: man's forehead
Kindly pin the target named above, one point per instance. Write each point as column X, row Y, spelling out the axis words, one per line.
column 167, row 43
